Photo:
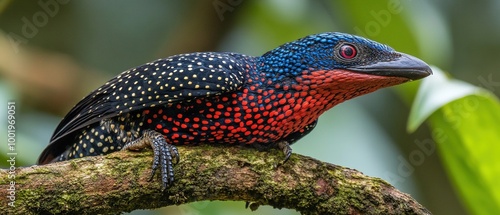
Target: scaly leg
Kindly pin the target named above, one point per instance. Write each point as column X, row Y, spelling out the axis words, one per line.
column 287, row 150
column 162, row 151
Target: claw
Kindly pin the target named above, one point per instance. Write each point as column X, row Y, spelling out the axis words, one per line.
column 163, row 154
column 287, row 150
column 175, row 153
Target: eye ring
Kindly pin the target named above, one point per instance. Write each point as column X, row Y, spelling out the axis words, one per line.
column 347, row 51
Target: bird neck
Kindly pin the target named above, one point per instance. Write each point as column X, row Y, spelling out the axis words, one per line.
column 283, row 63
column 314, row 92
column 332, row 87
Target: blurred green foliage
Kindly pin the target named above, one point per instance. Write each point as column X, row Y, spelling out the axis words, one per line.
column 465, row 121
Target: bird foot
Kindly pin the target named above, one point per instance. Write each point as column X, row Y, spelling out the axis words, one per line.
column 287, row 150
column 163, row 153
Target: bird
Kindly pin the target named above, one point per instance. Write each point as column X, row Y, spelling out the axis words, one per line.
column 268, row 101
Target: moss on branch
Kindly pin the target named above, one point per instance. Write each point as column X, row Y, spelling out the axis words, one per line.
column 118, row 183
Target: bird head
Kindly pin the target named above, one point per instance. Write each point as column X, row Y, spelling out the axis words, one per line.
column 339, row 65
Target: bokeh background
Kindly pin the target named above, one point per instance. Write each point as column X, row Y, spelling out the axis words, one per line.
column 53, row 53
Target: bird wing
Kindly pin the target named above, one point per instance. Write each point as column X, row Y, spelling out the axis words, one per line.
column 161, row 82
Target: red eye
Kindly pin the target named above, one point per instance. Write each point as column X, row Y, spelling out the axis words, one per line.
column 348, row 51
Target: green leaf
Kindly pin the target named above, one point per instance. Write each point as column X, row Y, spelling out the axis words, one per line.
column 465, row 122
column 436, row 91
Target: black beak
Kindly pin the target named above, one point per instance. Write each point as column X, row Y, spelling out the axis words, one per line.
column 406, row 66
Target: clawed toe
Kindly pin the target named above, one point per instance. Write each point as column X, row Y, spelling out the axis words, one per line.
column 163, row 155
column 287, row 150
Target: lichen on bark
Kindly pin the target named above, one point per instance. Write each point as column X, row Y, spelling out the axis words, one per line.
column 118, row 182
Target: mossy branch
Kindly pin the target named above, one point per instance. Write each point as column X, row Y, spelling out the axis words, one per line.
column 119, row 183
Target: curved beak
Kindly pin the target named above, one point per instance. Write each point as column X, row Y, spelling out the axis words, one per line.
column 406, row 66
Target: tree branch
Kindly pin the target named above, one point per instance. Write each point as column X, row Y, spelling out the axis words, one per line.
column 118, row 183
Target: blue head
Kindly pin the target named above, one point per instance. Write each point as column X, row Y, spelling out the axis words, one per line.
column 332, row 50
